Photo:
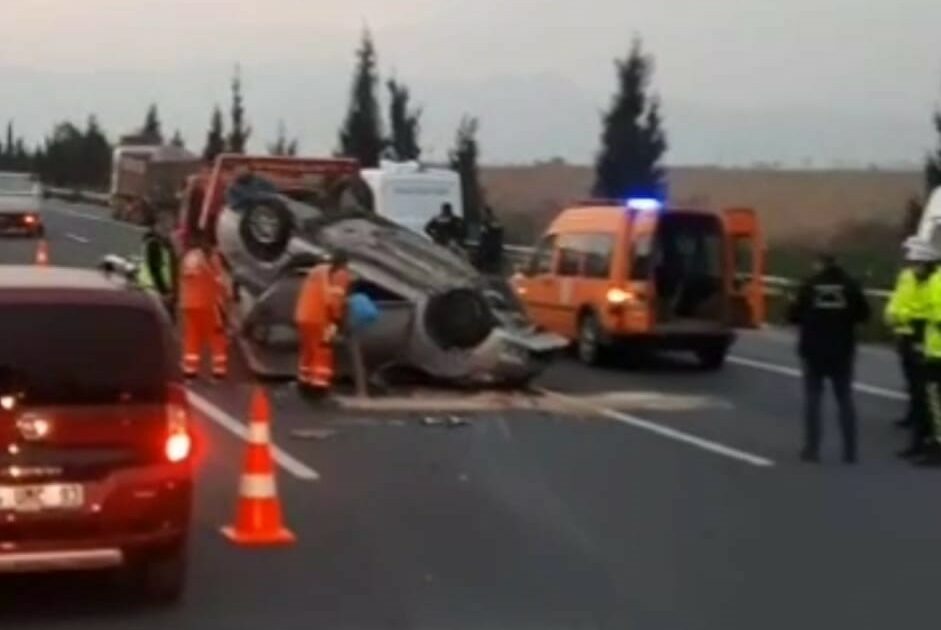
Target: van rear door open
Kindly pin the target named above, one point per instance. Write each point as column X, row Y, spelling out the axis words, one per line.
column 745, row 264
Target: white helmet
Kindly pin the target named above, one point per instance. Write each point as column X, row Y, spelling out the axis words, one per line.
column 920, row 250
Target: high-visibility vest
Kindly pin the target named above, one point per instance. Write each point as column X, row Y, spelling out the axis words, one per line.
column 908, row 304
column 199, row 282
column 145, row 277
column 322, row 298
column 932, row 338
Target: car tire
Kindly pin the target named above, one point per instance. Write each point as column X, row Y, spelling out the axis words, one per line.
column 712, row 357
column 351, row 196
column 40, row 231
column 460, row 319
column 161, row 579
column 590, row 346
column 265, row 229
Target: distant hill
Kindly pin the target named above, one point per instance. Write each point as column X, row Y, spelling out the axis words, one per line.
column 806, row 205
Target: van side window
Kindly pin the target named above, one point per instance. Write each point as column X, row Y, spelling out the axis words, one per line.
column 599, row 251
column 571, row 248
column 541, row 262
column 642, row 255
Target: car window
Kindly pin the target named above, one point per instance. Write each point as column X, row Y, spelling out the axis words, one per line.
column 541, row 262
column 571, row 250
column 599, row 249
column 82, row 354
column 641, row 257
column 17, row 185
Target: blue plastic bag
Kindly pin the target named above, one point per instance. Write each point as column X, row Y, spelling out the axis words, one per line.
column 361, row 311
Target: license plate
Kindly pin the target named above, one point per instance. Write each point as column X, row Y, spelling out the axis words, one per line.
column 42, row 497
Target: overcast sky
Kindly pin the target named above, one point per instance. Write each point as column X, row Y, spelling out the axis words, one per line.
column 742, row 81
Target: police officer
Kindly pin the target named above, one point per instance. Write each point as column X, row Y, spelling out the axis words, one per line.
column 828, row 308
column 906, row 313
column 446, row 229
column 157, row 271
column 931, row 451
column 490, row 243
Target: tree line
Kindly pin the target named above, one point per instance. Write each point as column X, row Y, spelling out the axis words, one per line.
column 629, row 161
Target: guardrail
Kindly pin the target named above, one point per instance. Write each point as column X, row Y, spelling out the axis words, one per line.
column 515, row 254
column 775, row 285
column 76, row 195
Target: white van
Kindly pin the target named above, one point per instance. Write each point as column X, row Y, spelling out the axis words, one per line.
column 928, row 227
column 411, row 194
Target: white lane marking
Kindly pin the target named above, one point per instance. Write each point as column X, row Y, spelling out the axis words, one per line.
column 504, row 427
column 663, row 431
column 89, row 217
column 774, row 368
column 77, row 238
column 297, row 468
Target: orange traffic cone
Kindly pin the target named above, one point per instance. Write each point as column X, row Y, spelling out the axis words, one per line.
column 258, row 517
column 42, row 253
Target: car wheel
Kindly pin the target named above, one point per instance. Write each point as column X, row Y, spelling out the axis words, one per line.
column 712, row 356
column 41, row 231
column 351, row 196
column 161, row 578
column 590, row 345
column 459, row 319
column 266, row 230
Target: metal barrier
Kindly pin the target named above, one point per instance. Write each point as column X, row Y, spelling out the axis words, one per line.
column 774, row 285
column 516, row 255
column 81, row 196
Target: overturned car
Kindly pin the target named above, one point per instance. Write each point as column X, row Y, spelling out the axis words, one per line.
column 439, row 318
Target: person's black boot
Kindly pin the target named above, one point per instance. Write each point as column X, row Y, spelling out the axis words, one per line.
column 930, row 457
column 912, row 452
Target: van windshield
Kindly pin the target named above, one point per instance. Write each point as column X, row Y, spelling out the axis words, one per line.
column 16, row 186
column 82, row 354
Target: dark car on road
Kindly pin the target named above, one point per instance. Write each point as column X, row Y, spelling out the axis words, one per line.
column 95, row 446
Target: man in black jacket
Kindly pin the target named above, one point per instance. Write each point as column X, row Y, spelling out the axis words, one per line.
column 446, row 229
column 828, row 308
column 490, row 244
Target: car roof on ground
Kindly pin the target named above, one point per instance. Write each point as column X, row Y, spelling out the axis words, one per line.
column 74, row 285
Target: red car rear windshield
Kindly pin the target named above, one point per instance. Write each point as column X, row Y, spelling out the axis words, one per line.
column 82, row 354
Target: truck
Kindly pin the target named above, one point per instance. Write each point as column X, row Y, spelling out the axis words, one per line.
column 928, row 226
column 410, row 194
column 148, row 175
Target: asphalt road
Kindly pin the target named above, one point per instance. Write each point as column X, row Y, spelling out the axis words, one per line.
column 649, row 497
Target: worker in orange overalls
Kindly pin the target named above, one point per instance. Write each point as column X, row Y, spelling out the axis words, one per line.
column 201, row 301
column 318, row 315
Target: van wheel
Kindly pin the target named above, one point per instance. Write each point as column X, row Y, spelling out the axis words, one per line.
column 590, row 346
column 712, row 356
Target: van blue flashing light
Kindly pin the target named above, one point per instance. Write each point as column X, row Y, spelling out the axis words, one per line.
column 644, row 204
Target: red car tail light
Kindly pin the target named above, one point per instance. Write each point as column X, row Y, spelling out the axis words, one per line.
column 179, row 444
column 29, row 219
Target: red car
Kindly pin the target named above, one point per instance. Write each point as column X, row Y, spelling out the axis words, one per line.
column 95, row 446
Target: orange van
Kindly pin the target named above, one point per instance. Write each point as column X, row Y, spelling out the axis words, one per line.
column 638, row 275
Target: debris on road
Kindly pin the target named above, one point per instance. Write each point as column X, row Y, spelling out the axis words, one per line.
column 451, row 401
column 457, row 421
column 313, row 434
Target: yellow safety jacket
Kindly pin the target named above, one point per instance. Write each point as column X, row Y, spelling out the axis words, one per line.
column 909, row 303
column 933, row 320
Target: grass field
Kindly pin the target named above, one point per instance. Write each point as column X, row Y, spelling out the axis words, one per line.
column 808, row 207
